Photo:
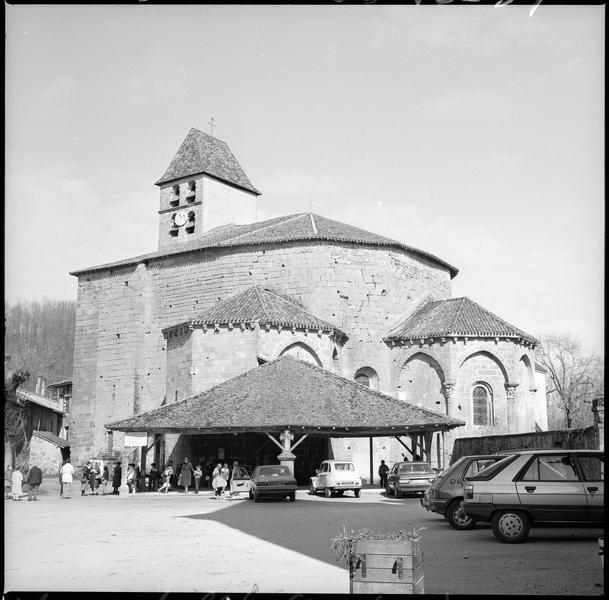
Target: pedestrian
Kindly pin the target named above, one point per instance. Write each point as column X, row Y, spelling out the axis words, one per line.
column 105, row 478
column 140, row 484
column 34, row 479
column 84, row 478
column 94, row 472
column 153, row 478
column 167, row 475
column 198, row 474
column 186, row 475
column 117, row 475
column 16, row 483
column 225, row 472
column 383, row 471
column 67, row 473
column 8, row 481
column 131, row 477
column 63, row 462
column 218, row 482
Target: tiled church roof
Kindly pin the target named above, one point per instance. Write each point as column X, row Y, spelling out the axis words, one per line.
column 266, row 307
column 288, row 392
column 202, row 153
column 290, row 228
column 456, row 317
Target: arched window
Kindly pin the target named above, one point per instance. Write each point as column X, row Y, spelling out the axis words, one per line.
column 368, row 377
column 190, row 225
column 482, row 400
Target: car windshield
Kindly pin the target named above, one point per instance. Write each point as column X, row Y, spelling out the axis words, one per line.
column 344, row 466
column 275, row 471
column 415, row 468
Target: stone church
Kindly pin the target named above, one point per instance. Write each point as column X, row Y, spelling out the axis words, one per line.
column 224, row 294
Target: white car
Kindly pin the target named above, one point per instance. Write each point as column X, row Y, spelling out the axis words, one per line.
column 336, row 477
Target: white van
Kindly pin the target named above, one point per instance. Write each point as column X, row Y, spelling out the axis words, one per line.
column 336, row 477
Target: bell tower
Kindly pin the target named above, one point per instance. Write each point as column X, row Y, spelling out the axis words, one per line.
column 203, row 187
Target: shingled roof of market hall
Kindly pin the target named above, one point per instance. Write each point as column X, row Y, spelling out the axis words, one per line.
column 455, row 317
column 300, row 227
column 288, row 392
column 202, row 153
column 264, row 306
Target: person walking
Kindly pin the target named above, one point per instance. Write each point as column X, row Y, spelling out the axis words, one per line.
column 105, row 478
column 167, row 475
column 197, row 474
column 383, row 471
column 186, row 475
column 94, row 478
column 153, row 478
column 117, row 475
column 84, row 478
column 16, row 484
column 67, row 473
column 34, row 479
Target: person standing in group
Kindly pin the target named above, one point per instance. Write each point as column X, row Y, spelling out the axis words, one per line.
column 8, row 481
column 198, row 474
column 117, row 475
column 105, row 477
column 94, row 473
column 383, row 472
column 131, row 477
column 153, row 478
column 218, row 482
column 167, row 474
column 84, row 478
column 63, row 462
column 16, row 484
column 67, row 473
column 34, row 479
column 186, row 475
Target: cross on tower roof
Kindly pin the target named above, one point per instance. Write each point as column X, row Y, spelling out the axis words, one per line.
column 212, row 124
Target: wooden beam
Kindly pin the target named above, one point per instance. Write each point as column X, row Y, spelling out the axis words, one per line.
column 274, row 440
column 397, row 437
column 428, row 436
column 371, row 461
column 300, row 440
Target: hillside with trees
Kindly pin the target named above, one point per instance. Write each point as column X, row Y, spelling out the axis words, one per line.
column 39, row 339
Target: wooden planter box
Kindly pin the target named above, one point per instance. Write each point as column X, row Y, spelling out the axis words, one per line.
column 387, row 567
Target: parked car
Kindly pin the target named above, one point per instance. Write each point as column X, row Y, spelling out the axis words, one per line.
column 240, row 481
column 535, row 486
column 336, row 477
column 409, row 478
column 445, row 494
column 272, row 481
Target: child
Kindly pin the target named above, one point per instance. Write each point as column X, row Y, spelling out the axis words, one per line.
column 219, row 484
column 104, row 480
column 198, row 474
column 167, row 473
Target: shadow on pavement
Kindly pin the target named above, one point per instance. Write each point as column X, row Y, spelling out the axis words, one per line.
column 306, row 526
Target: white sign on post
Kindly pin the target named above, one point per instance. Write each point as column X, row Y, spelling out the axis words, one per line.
column 136, row 439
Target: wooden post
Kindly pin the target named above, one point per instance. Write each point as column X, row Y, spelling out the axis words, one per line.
column 371, row 461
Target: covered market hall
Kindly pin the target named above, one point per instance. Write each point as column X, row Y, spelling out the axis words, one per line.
column 292, row 412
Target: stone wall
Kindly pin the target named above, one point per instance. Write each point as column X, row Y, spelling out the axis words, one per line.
column 44, row 455
column 120, row 357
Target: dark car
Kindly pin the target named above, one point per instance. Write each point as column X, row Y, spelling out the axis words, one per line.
column 272, row 481
column 409, row 478
column 538, row 486
column 445, row 494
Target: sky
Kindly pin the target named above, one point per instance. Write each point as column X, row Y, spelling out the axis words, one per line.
column 472, row 132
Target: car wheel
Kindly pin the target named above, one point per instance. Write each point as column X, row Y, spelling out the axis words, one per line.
column 387, row 490
column 510, row 526
column 251, row 495
column 328, row 492
column 457, row 518
column 340, row 492
column 356, row 492
column 292, row 497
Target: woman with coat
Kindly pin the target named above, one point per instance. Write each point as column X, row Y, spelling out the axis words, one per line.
column 117, row 475
column 186, row 475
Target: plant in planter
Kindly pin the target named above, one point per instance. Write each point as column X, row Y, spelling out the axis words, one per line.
column 379, row 562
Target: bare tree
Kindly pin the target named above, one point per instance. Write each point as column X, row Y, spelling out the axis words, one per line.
column 17, row 426
column 574, row 378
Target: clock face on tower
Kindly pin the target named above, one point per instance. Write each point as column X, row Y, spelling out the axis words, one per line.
column 180, row 218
